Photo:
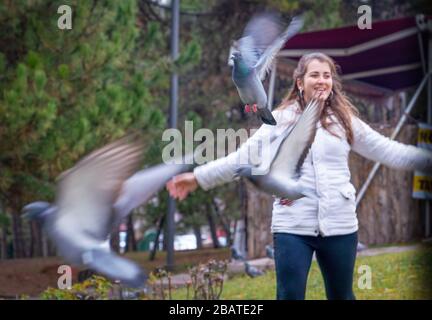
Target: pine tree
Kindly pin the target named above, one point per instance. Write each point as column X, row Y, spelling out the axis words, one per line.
column 66, row 92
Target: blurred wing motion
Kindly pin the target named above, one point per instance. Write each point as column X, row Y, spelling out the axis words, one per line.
column 295, row 143
column 252, row 56
column 85, row 216
column 93, row 198
column 144, row 184
column 87, row 191
column 265, row 61
column 287, row 154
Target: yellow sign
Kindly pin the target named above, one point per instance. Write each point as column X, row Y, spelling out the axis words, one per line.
column 422, row 183
column 424, row 136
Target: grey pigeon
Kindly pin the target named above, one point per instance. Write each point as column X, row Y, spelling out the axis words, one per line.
column 236, row 255
column 252, row 55
column 252, row 271
column 361, row 247
column 279, row 175
column 91, row 202
column 269, row 252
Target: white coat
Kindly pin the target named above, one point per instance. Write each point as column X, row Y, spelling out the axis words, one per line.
column 325, row 169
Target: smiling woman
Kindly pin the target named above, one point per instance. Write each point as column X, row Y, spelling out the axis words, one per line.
column 325, row 224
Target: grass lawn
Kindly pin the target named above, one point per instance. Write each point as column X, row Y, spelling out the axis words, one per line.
column 395, row 276
column 403, row 275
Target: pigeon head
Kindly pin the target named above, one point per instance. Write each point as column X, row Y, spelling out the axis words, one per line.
column 38, row 210
column 238, row 61
column 241, row 69
column 233, row 49
column 236, row 56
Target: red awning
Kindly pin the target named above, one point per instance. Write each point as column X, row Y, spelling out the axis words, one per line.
column 386, row 56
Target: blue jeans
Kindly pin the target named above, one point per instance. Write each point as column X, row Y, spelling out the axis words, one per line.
column 336, row 258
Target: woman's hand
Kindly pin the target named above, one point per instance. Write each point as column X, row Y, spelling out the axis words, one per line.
column 181, row 185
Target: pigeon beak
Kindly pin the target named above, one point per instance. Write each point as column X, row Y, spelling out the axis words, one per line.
column 26, row 215
column 231, row 60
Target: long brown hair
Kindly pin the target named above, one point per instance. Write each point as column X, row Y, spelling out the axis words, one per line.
column 337, row 102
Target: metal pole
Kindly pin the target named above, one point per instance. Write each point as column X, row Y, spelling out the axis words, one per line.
column 422, row 58
column 175, row 17
column 392, row 137
column 429, row 119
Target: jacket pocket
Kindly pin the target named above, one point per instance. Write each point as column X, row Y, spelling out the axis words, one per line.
column 348, row 192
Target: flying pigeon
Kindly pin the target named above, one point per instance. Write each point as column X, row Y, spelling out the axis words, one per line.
column 288, row 151
column 92, row 199
column 252, row 271
column 252, row 55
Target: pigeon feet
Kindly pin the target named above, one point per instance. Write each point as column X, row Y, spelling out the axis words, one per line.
column 248, row 108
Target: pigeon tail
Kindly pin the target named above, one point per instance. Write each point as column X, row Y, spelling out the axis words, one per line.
column 115, row 267
column 266, row 116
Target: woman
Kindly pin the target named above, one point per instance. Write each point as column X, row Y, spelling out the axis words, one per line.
column 327, row 226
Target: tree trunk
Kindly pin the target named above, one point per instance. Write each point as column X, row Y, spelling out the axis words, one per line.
column 3, row 244
column 131, row 241
column 242, row 224
column 114, row 241
column 197, row 232
column 52, row 250
column 158, row 232
column 32, row 244
column 212, row 226
column 223, row 222
column 165, row 238
column 36, row 240
column 258, row 221
column 45, row 248
column 18, row 248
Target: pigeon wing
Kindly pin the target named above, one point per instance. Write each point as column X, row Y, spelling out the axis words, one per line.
column 264, row 28
column 87, row 192
column 116, row 267
column 143, row 185
column 295, row 146
column 265, row 61
column 259, row 33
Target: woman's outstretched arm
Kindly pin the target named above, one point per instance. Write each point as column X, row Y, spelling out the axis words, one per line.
column 222, row 170
column 216, row 172
column 374, row 146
